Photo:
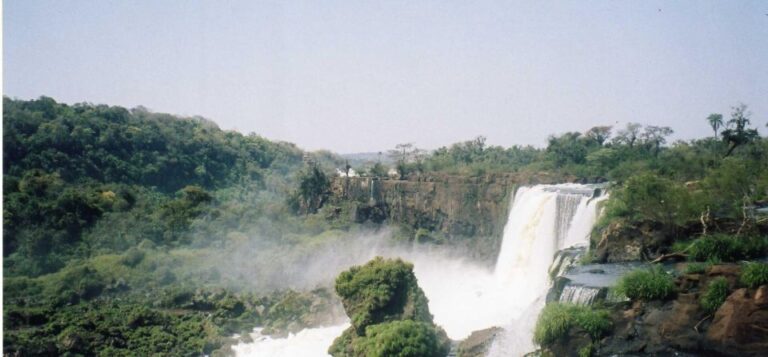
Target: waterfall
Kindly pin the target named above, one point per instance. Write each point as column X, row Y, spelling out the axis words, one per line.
column 465, row 297
column 580, row 295
column 543, row 220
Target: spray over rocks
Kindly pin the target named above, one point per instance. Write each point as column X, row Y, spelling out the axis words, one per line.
column 464, row 296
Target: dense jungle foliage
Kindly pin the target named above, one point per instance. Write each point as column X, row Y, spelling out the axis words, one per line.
column 112, row 213
column 106, row 207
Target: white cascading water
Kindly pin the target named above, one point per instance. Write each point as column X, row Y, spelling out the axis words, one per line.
column 579, row 295
column 465, row 297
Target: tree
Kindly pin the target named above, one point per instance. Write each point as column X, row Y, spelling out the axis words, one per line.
column 715, row 121
column 405, row 154
column 567, row 148
column 313, row 189
column 401, row 152
column 654, row 136
column 629, row 135
column 599, row 134
column 651, row 197
column 378, row 170
column 737, row 132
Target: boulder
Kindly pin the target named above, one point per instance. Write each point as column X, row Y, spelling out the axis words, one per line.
column 730, row 272
column 478, row 343
column 619, row 242
column 624, row 242
column 677, row 329
column 388, row 312
column 740, row 325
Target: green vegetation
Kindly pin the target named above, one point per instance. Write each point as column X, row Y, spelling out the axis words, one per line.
column 737, row 133
column 587, row 351
column 646, row 284
column 312, row 192
column 381, row 290
column 113, row 212
column 754, row 274
column 696, row 268
column 389, row 313
column 717, row 292
column 405, row 338
column 108, row 207
column 728, row 248
column 557, row 319
column 68, row 169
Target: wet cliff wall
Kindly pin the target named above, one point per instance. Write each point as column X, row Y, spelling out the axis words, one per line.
column 453, row 208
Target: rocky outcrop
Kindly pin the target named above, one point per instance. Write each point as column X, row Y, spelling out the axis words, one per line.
column 454, row 205
column 681, row 326
column 625, row 242
column 450, row 208
column 388, row 312
column 740, row 326
column 478, row 343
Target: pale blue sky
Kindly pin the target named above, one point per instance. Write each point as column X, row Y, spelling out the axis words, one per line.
column 357, row 76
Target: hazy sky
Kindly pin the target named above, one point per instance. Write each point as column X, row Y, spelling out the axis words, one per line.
column 357, row 76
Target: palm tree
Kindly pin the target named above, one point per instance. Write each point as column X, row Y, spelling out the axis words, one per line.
column 715, row 121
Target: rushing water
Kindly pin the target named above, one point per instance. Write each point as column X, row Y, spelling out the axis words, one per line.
column 464, row 297
column 308, row 342
column 579, row 295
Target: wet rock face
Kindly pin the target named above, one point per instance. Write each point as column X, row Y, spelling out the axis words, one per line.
column 456, row 206
column 624, row 242
column 478, row 343
column 740, row 326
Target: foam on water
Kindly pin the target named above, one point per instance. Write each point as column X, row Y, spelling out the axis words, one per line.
column 309, row 342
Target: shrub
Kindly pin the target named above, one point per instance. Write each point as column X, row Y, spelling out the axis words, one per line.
column 754, row 274
column 556, row 319
column 379, row 291
column 726, row 248
column 651, row 197
column 554, row 322
column 594, row 321
column 132, row 257
column 646, row 284
column 403, row 339
column 696, row 268
column 587, row 351
column 716, row 293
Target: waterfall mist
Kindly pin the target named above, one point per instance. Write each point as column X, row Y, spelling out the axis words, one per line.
column 465, row 296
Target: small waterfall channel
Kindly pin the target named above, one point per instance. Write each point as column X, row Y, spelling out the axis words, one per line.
column 465, row 297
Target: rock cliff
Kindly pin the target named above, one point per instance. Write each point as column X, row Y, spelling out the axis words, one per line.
column 680, row 326
column 435, row 207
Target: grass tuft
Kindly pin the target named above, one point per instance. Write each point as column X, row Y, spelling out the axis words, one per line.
column 716, row 293
column 556, row 319
column 754, row 274
column 646, row 284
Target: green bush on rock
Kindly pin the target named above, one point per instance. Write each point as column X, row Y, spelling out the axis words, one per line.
column 556, row 319
column 696, row 268
column 382, row 290
column 716, row 293
column 554, row 322
column 403, row 339
column 754, row 274
column 646, row 284
column 389, row 313
column 726, row 248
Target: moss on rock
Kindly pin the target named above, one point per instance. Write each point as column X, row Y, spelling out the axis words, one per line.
column 389, row 313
